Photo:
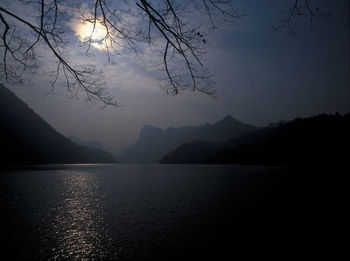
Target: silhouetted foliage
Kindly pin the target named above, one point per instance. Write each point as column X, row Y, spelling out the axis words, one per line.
column 164, row 22
column 170, row 26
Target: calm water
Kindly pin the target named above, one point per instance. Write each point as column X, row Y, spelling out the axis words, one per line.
column 133, row 212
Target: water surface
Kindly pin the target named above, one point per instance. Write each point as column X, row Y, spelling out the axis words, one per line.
column 134, row 212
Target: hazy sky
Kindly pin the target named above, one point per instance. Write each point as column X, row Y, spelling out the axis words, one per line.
column 261, row 77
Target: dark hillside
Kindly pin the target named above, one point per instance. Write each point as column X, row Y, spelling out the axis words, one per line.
column 27, row 139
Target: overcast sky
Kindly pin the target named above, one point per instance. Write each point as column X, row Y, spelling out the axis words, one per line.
column 260, row 77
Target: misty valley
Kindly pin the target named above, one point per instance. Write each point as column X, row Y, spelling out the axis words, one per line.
column 28, row 139
column 207, row 192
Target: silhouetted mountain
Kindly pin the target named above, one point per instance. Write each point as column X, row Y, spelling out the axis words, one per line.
column 322, row 139
column 319, row 139
column 27, row 139
column 154, row 143
column 88, row 143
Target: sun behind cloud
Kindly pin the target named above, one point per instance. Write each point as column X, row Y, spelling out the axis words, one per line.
column 95, row 33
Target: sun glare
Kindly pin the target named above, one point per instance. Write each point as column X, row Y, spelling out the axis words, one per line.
column 97, row 34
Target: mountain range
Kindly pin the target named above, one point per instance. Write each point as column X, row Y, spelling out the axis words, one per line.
column 319, row 139
column 27, row 139
column 154, row 143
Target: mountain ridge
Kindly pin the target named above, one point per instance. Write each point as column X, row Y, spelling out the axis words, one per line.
column 154, row 143
column 26, row 138
column 320, row 138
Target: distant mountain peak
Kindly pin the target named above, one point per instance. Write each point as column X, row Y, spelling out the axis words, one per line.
column 149, row 130
column 228, row 119
column 154, row 143
column 229, row 116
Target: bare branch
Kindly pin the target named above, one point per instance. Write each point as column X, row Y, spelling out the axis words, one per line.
column 184, row 43
column 301, row 9
column 86, row 79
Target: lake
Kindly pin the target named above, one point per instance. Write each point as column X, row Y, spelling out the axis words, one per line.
column 146, row 212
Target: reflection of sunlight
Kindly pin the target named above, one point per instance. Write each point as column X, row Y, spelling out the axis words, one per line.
column 96, row 33
column 80, row 224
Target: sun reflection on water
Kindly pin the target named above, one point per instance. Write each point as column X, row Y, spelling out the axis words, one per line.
column 79, row 224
